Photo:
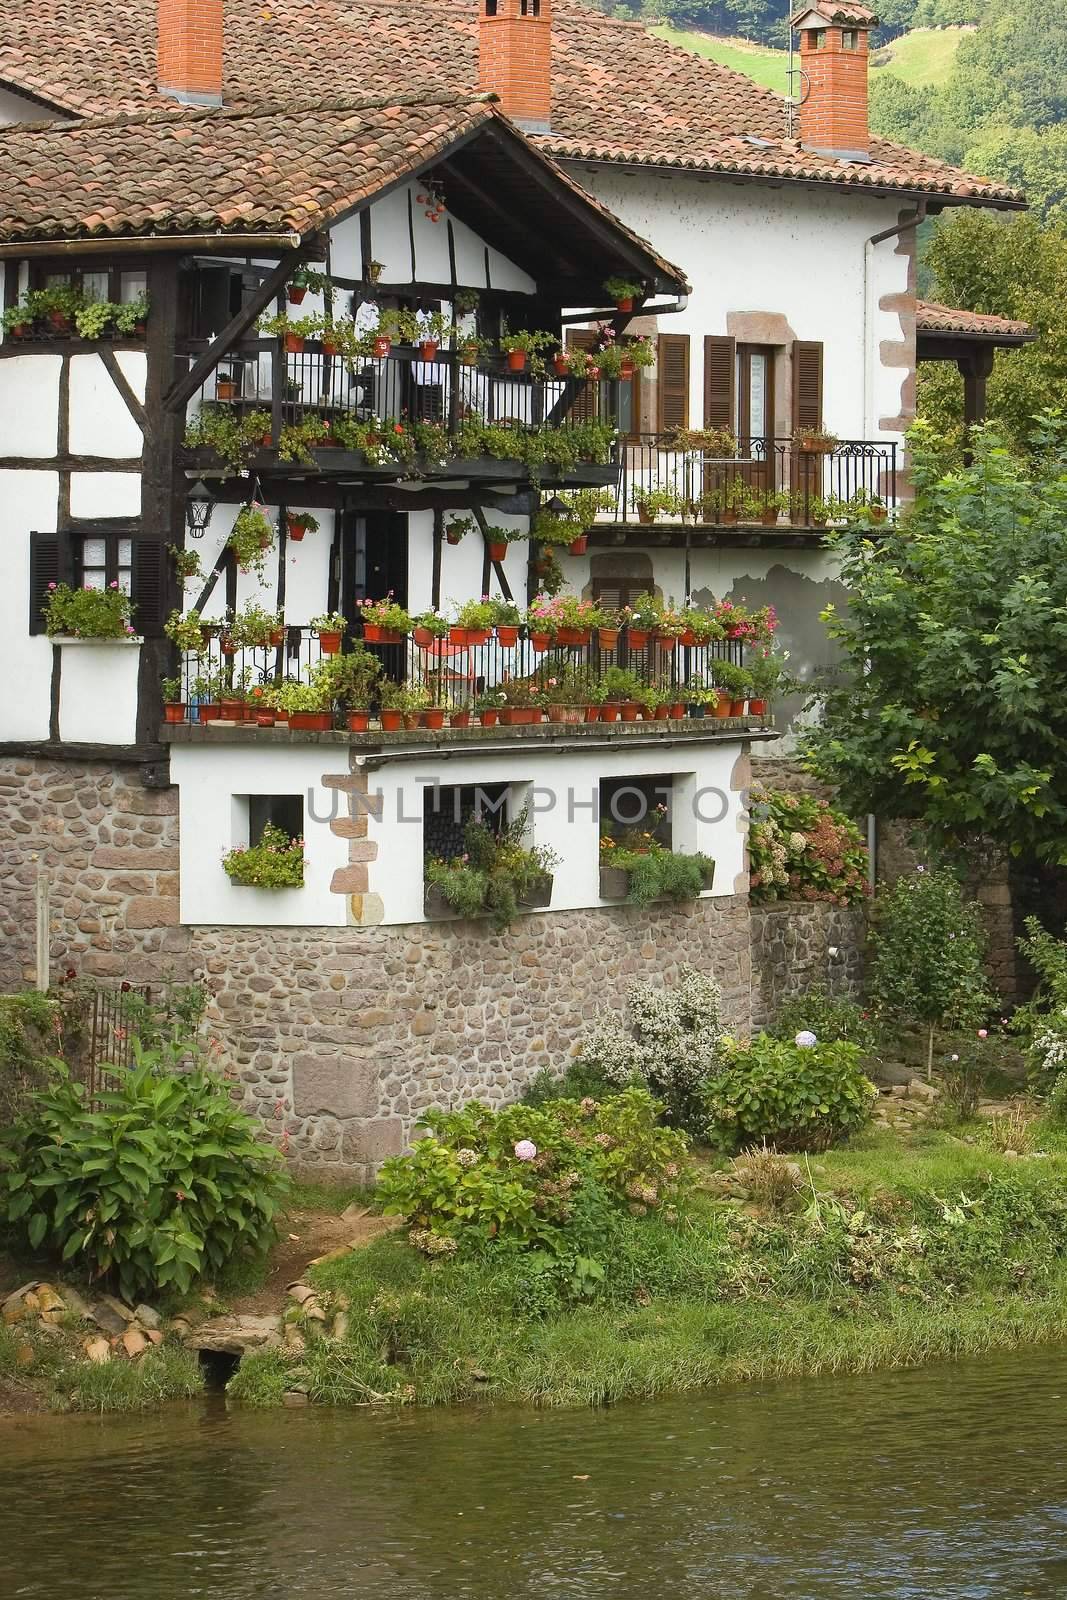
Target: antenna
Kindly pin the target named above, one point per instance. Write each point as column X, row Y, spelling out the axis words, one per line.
column 790, row 98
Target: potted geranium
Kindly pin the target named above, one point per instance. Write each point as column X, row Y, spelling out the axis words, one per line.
column 489, row 706
column 384, row 621
column 767, row 677
column 429, row 626
column 303, row 279
column 431, row 331
column 815, row 441
column 519, row 345
column 497, row 540
column 308, row 705
column 669, row 628
column 330, row 629
column 624, row 291
column 88, row 613
column 457, row 529
column 643, row 617
column 298, row 523
column 294, row 332
column 507, row 620
column 173, row 703
column 652, row 503
column 620, row 688
column 473, row 623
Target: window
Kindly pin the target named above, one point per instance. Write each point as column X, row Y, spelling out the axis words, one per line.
column 284, row 811
column 447, row 808
column 640, row 805
column 617, row 402
column 140, row 566
column 103, row 560
column 818, row 39
column 849, row 39
column 754, row 392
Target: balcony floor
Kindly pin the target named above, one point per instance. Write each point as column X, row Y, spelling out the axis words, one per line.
column 556, row 735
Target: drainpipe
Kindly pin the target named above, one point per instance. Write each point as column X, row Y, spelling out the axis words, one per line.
column 869, row 310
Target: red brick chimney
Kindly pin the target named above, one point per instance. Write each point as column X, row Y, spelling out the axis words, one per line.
column 515, row 59
column 189, row 50
column 833, row 96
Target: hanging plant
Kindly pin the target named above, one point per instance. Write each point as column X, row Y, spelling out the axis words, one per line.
column 186, row 562
column 251, row 536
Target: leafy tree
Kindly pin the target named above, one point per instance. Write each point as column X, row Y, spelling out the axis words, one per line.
column 1015, row 268
column 951, row 702
column 927, row 947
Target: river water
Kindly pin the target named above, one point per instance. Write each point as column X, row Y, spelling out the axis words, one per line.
column 947, row 1483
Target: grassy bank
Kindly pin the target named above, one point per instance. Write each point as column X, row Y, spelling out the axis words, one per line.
column 42, row 1370
column 885, row 1253
column 922, row 57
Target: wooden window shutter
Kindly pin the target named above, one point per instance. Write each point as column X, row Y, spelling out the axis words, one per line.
column 586, row 407
column 50, row 562
column 807, row 383
column 720, row 361
column 150, row 586
column 672, row 362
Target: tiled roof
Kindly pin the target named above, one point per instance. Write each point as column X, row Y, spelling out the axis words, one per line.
column 273, row 169
column 855, row 15
column 619, row 92
column 933, row 318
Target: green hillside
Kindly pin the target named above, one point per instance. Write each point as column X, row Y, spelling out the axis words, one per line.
column 919, row 58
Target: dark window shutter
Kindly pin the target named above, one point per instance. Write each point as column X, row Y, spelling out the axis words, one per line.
column 586, row 405
column 150, row 584
column 807, row 383
column 50, row 562
column 672, row 361
column 720, row 361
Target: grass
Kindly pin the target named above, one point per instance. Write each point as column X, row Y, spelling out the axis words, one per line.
column 931, row 1249
column 922, row 57
column 60, row 1378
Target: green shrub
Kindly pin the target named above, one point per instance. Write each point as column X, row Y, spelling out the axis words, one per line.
column 531, row 1175
column 276, row 862
column 657, row 873
column 581, row 1080
column 496, row 873
column 829, row 1018
column 788, row 1095
column 30, row 1039
column 166, row 1181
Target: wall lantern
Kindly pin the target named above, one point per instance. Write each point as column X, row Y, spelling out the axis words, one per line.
column 198, row 508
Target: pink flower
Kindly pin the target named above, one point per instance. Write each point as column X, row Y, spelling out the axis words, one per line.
column 525, row 1150
column 983, row 1033
column 52, row 586
column 113, row 584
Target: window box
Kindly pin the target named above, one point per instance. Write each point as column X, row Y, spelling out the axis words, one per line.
column 614, row 883
column 540, row 892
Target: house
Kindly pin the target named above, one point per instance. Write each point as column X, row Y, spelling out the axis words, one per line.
column 272, row 352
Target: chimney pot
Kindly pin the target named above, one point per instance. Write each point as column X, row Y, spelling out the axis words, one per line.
column 833, row 58
column 189, row 50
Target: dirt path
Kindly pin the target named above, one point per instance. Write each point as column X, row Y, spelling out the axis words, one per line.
column 304, row 1237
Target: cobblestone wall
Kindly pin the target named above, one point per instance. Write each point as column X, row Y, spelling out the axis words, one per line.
column 797, row 945
column 342, row 1038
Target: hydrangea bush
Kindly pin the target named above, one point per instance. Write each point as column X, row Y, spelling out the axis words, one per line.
column 668, row 1039
column 800, row 848
column 796, row 1094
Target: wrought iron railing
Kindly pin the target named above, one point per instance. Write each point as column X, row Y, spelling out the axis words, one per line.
column 457, row 675
column 770, row 480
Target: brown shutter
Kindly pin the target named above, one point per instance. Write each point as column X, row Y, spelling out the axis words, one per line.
column 807, row 383
column 720, row 362
column 50, row 562
column 672, row 362
column 587, row 402
column 150, row 587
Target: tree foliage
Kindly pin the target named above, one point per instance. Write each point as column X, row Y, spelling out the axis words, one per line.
column 951, row 702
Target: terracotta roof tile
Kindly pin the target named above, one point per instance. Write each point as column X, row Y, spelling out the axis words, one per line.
column 933, row 318
column 619, row 92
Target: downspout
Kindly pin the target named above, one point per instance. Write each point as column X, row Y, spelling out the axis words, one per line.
column 869, row 310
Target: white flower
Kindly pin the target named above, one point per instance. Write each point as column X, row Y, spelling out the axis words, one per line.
column 805, row 1039
column 525, row 1150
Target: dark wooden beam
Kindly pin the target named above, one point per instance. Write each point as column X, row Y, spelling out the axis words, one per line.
column 509, row 219
column 497, row 566
column 121, row 382
column 182, row 391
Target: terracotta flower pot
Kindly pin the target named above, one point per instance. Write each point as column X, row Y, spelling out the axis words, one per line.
column 59, row 321
column 264, row 717
column 329, row 643
column 489, row 719
column 737, row 707
column 627, row 371
column 877, row 513
column 625, row 304
column 174, row 711
column 428, row 349
column 660, row 714
column 559, row 365
column 382, row 347
column 459, row 719
column 422, row 637
column 22, row 330
column 391, row 721
column 592, row 713
column 722, row 707
column 227, row 647
column 498, row 549
column 411, row 720
column 310, row 721
column 294, row 343
column 330, row 347
column 638, row 638
column 295, row 529
column 358, row 721
column 769, row 518
column 610, row 712
column 508, row 636
column 608, row 638
column 728, row 518
column 295, row 295
column 687, row 637
column 277, row 637
column 516, row 360
column 454, row 538
column 677, row 711
column 266, row 441
column 556, row 713
column 630, row 710
column 208, row 713
column 434, row 717
column 459, row 636
column 510, row 716
column 468, row 355
column 579, row 546
column 226, row 389
column 569, row 636
column 232, row 710
column 477, row 636
column 540, row 642
column 644, row 515
column 757, row 708
column 666, row 641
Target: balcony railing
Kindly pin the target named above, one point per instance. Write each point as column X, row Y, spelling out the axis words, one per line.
column 769, row 480
column 456, row 676
column 289, row 390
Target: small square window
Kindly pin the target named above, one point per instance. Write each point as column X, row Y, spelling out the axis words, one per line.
column 849, row 39
column 818, row 39
column 637, row 806
column 284, row 811
column 447, row 809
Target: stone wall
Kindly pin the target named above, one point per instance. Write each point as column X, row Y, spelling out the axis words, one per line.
column 109, row 846
column 341, row 1038
column 796, row 946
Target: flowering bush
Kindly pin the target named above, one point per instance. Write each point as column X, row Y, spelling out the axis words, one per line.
column 799, row 848
column 88, row 613
column 386, row 613
column 738, row 622
column 276, row 862
column 564, row 611
column 669, row 1039
column 519, row 1176
column 798, row 1095
column 497, row 872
